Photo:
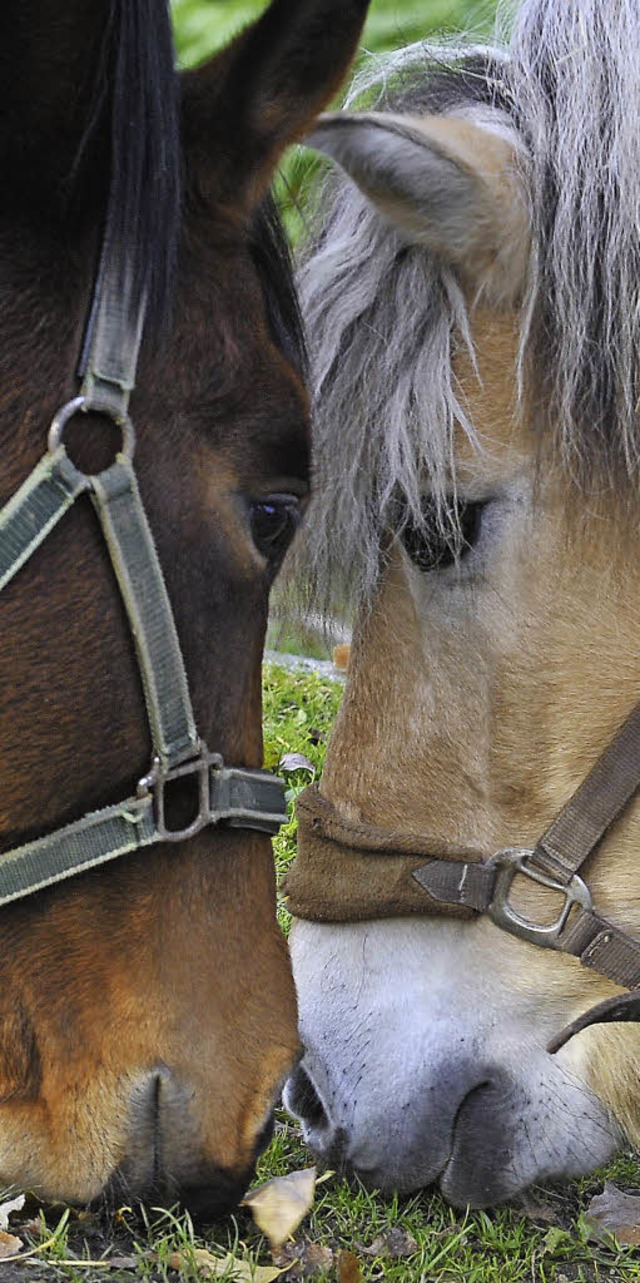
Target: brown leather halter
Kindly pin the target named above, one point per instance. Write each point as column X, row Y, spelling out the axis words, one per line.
column 348, row 871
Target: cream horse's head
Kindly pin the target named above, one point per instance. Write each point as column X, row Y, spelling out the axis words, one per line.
column 474, row 307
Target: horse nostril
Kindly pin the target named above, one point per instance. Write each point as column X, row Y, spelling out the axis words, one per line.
column 302, row 1099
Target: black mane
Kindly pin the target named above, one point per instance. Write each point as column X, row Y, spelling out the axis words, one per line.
column 144, row 196
column 136, row 103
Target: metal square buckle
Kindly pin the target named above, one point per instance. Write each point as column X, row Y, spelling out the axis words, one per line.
column 155, row 785
column 509, row 863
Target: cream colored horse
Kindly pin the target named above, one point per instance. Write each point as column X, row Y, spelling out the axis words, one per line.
column 474, row 310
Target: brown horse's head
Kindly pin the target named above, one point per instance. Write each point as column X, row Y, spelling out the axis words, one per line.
column 147, row 1012
column 474, row 304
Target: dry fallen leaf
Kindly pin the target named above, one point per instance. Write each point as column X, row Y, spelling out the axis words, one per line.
column 34, row 1228
column 212, row 1267
column 616, row 1212
column 279, row 1206
column 9, row 1245
column 304, row 1260
column 11, row 1205
column 348, row 1268
column 395, row 1243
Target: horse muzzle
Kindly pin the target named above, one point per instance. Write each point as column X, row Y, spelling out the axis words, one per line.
column 167, row 1161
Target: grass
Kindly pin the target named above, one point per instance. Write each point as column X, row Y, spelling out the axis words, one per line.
column 544, row 1241
column 299, row 710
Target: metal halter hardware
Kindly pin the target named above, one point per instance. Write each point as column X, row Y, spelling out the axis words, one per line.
column 517, row 860
column 234, row 796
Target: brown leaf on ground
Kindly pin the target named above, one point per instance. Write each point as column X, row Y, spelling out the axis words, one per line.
column 212, row 1267
column 392, row 1245
column 281, row 1204
column 615, row 1212
column 9, row 1245
column 303, row 1260
column 36, row 1228
column 348, row 1268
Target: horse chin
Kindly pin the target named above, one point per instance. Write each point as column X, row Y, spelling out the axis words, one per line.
column 495, row 1157
column 208, row 1195
column 165, row 1160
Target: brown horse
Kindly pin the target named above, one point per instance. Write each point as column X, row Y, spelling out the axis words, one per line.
column 147, row 1011
column 474, row 310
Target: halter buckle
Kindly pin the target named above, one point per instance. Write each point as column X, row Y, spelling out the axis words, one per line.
column 156, row 782
column 508, row 864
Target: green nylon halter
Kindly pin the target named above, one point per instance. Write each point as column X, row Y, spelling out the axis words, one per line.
column 231, row 795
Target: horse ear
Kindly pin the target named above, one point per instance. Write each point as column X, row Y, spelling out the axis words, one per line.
column 448, row 183
column 243, row 107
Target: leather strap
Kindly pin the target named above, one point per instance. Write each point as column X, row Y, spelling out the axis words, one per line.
column 595, row 805
column 234, row 796
column 109, row 360
column 593, row 939
column 625, row 1007
column 556, row 859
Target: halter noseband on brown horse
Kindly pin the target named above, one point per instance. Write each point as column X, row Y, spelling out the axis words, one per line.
column 234, row 796
column 348, row 871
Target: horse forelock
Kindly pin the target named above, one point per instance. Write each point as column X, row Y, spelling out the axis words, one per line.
column 384, row 317
column 136, row 102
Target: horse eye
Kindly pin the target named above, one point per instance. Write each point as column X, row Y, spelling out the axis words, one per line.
column 274, row 522
column 431, row 547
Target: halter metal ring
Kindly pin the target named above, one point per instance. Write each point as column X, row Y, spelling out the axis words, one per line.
column 81, row 405
column 517, row 860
